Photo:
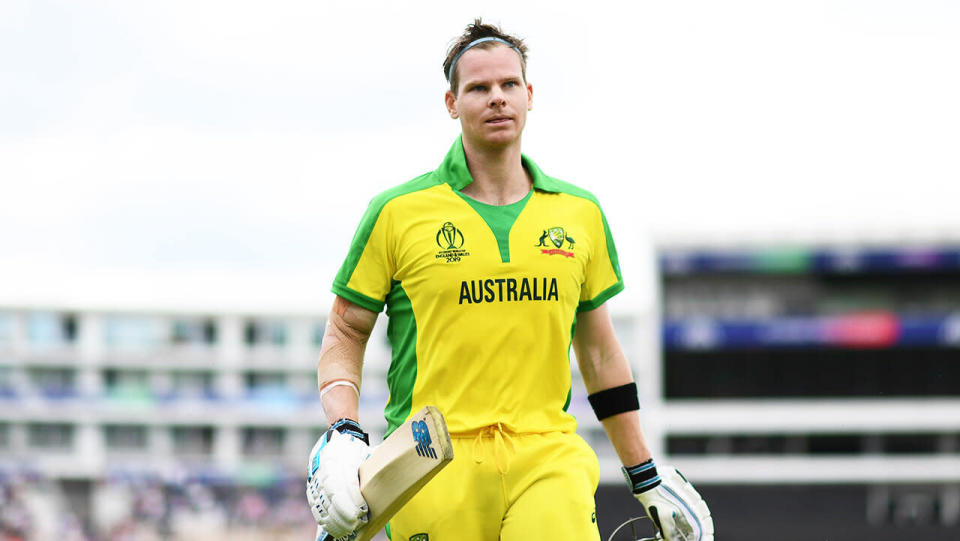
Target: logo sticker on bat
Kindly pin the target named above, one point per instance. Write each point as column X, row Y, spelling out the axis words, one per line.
column 422, row 436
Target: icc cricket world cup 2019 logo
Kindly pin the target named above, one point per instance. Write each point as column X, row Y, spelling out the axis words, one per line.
column 449, row 237
column 450, row 240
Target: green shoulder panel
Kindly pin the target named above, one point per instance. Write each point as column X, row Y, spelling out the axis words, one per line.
column 555, row 185
column 362, row 235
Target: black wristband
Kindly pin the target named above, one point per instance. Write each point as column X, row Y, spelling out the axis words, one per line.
column 351, row 428
column 642, row 477
column 609, row 402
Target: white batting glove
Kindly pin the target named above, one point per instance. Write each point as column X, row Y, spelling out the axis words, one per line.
column 671, row 502
column 333, row 485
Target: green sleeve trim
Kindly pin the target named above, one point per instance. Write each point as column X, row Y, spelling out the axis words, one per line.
column 611, row 247
column 359, row 299
column 603, row 297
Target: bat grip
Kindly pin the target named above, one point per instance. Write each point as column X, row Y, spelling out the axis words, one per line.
column 322, row 535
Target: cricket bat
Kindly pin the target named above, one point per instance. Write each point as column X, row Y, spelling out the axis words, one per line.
column 399, row 467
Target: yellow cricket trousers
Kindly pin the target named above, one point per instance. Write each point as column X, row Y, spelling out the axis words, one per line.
column 507, row 487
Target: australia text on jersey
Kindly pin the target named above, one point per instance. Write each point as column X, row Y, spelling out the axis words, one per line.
column 508, row 290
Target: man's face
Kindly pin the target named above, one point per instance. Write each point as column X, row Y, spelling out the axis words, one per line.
column 492, row 98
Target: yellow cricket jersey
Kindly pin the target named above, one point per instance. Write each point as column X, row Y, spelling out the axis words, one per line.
column 481, row 299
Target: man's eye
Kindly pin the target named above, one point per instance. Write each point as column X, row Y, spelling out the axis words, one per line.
column 511, row 83
column 479, row 87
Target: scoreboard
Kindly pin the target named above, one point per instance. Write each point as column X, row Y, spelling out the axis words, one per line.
column 828, row 322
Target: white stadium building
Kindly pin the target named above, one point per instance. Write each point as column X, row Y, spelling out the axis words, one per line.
column 820, row 380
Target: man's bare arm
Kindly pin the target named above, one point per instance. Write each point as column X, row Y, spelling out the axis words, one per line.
column 603, row 366
column 341, row 357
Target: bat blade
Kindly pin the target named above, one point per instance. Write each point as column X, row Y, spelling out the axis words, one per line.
column 399, row 467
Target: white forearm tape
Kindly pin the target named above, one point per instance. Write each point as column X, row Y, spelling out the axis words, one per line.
column 338, row 383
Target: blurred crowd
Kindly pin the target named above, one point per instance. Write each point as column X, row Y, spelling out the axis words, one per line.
column 36, row 509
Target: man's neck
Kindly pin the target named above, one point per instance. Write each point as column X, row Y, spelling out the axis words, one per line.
column 498, row 174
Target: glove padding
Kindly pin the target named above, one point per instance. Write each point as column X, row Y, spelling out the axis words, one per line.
column 333, row 485
column 676, row 508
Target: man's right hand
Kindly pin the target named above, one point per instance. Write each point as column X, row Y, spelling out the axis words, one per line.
column 333, row 485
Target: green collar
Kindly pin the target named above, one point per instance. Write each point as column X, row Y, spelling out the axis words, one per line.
column 454, row 170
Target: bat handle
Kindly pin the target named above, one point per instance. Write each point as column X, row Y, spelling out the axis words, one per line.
column 322, row 535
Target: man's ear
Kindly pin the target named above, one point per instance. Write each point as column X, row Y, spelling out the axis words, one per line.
column 451, row 102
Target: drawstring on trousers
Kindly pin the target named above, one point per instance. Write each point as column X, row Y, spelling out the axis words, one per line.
column 501, row 441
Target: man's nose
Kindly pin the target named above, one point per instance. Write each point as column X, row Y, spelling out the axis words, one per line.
column 497, row 99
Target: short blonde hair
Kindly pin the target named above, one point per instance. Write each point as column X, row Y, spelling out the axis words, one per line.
column 474, row 31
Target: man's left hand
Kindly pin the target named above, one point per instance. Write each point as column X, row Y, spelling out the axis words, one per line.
column 676, row 508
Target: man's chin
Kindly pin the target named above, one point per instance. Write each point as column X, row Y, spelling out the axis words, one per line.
column 500, row 139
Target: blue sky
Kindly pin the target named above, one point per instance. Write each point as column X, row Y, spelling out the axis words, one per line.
column 221, row 153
